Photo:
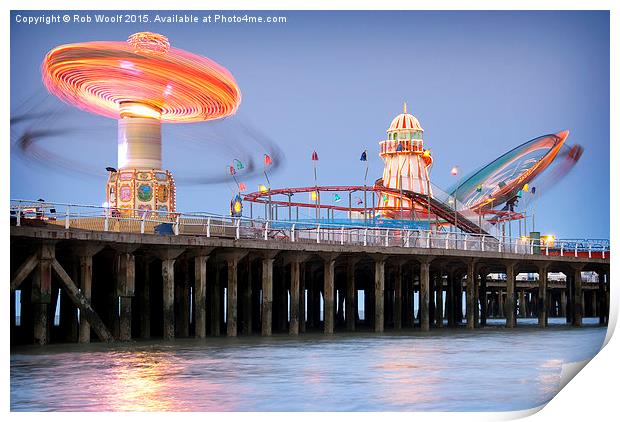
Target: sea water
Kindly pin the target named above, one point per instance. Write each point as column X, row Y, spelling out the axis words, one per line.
column 489, row 369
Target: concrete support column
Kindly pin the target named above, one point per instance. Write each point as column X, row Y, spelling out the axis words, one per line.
column 351, row 302
column 328, row 294
column 450, row 299
column 247, row 301
column 522, row 306
column 216, row 315
column 200, row 295
column 181, row 294
column 145, row 301
column 379, row 294
column 398, row 297
column 542, row 296
column 563, row 301
column 593, row 295
column 439, row 311
column 509, row 305
column 424, row 295
column 302, row 297
column 231, row 297
column 295, row 277
column 408, row 301
column 602, row 309
column 471, row 298
column 577, row 298
column 484, row 304
column 86, row 283
column 41, row 294
column 267, row 306
column 125, row 288
column 167, row 273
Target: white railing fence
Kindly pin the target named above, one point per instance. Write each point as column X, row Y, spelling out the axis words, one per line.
column 94, row 218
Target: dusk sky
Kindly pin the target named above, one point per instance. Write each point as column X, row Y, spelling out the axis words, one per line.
column 480, row 84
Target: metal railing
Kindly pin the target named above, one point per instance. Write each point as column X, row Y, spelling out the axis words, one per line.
column 95, row 218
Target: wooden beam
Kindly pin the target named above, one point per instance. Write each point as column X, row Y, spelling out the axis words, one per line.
column 86, row 311
column 24, row 271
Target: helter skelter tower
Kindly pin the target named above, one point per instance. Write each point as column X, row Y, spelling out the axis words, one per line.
column 406, row 165
column 142, row 83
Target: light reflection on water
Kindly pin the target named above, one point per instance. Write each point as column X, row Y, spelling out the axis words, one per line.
column 451, row 370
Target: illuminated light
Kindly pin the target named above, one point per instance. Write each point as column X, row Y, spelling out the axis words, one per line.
column 454, row 171
column 135, row 109
column 263, row 188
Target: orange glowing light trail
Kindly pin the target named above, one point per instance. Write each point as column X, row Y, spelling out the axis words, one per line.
column 100, row 76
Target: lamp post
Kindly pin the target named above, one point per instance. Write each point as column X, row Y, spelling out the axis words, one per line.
column 454, row 172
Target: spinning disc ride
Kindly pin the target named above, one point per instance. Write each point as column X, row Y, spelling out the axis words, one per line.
column 142, row 83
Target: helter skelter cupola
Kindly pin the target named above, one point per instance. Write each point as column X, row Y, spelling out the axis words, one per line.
column 142, row 83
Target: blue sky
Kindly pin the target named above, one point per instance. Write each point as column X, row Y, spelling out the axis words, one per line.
column 479, row 82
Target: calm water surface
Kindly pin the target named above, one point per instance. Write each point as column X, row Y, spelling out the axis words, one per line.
column 450, row 370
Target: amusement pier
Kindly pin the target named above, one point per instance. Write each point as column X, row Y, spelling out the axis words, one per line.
column 394, row 253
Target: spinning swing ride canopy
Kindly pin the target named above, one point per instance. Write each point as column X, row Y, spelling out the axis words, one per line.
column 143, row 77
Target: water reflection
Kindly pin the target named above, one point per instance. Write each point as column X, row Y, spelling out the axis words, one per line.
column 492, row 369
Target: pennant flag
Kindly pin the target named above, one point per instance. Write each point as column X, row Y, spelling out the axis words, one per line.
column 242, row 187
column 232, row 170
column 399, row 148
column 479, row 188
column 315, row 156
column 364, row 157
column 238, row 164
column 337, row 197
column 267, row 160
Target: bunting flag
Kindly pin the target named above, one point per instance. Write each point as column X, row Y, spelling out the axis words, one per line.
column 267, row 160
column 519, row 194
column 315, row 156
column 242, row 187
column 337, row 197
column 232, row 171
column 238, row 164
column 526, row 187
column 364, row 157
